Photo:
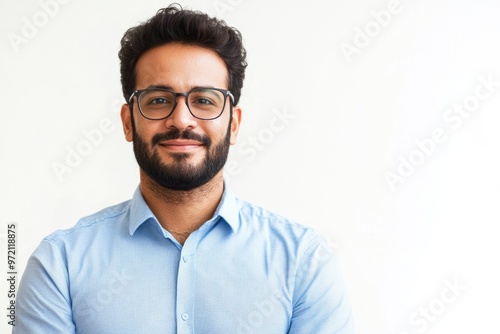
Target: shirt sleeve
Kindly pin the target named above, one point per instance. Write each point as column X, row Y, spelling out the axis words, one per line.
column 320, row 302
column 43, row 302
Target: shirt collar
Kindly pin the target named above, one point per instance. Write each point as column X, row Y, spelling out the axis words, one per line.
column 139, row 211
column 228, row 210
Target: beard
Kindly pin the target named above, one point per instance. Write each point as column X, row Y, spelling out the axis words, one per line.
column 180, row 174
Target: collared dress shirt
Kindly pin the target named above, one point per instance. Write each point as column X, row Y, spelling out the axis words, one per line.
column 246, row 270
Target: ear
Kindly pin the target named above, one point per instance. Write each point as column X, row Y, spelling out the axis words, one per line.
column 127, row 122
column 235, row 124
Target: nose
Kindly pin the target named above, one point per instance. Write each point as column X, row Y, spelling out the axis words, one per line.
column 181, row 118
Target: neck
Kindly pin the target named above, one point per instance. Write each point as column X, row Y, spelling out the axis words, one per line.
column 182, row 212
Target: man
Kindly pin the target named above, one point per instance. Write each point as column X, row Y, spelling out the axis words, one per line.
column 184, row 255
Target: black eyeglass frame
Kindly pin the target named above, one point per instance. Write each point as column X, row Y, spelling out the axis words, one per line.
column 225, row 92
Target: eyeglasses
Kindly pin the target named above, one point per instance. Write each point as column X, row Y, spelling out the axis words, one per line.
column 204, row 103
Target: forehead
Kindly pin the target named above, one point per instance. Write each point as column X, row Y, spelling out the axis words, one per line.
column 181, row 67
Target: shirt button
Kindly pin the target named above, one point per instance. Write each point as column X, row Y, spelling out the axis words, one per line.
column 184, row 258
column 185, row 316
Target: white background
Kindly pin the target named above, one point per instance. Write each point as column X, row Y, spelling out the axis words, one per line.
column 352, row 118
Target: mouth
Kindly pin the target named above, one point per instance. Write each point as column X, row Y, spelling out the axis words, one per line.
column 180, row 145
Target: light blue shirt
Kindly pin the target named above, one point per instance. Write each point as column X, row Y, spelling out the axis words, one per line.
column 246, row 270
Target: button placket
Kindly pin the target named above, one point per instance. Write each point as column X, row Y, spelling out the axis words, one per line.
column 186, row 287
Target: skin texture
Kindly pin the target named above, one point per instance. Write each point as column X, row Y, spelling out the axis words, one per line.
column 181, row 67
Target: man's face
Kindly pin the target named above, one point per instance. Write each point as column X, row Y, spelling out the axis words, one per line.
column 181, row 152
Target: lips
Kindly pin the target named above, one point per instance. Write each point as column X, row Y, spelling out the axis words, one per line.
column 180, row 145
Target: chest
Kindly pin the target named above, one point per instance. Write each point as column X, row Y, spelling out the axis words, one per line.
column 168, row 290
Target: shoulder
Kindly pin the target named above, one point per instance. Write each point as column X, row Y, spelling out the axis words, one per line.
column 106, row 219
column 266, row 222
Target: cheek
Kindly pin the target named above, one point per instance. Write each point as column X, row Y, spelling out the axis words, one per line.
column 147, row 128
column 217, row 129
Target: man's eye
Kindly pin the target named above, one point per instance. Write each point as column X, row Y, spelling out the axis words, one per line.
column 159, row 100
column 202, row 100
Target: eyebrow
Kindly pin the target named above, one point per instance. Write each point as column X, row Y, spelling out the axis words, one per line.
column 170, row 88
column 159, row 86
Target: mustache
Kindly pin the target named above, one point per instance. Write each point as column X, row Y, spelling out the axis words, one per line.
column 177, row 134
